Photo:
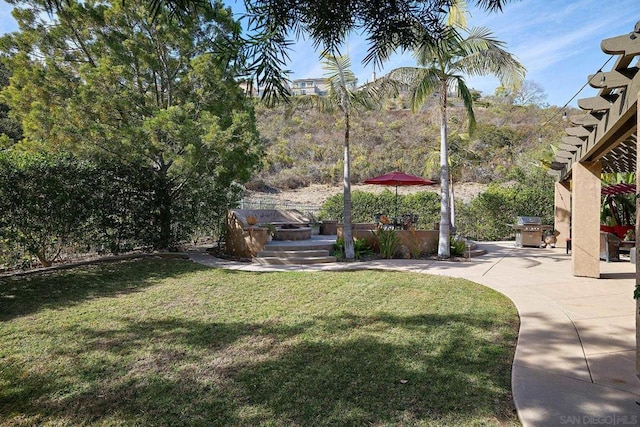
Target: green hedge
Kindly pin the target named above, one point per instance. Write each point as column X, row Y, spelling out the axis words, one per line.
column 51, row 205
column 489, row 216
column 365, row 205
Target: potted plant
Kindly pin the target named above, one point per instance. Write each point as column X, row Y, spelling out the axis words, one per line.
column 271, row 231
column 314, row 224
column 550, row 237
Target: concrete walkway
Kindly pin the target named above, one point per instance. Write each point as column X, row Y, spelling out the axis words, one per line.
column 575, row 358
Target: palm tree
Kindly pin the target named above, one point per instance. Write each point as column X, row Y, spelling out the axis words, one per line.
column 441, row 69
column 460, row 158
column 343, row 95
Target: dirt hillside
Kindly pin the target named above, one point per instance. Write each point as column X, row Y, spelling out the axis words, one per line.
column 316, row 194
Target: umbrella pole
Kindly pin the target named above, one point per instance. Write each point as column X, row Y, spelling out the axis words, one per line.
column 396, row 217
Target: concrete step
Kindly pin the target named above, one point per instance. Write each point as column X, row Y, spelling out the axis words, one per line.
column 302, row 245
column 289, row 253
column 293, row 260
column 311, row 251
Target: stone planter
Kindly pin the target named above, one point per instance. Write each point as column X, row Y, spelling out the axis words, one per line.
column 329, row 228
column 300, row 233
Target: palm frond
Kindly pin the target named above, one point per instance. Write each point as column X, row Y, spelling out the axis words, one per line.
column 267, row 57
column 420, row 82
column 484, row 55
column 458, row 12
column 437, row 50
column 430, row 83
column 467, row 100
column 338, row 72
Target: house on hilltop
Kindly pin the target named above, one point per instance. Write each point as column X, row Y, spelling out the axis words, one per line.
column 312, row 86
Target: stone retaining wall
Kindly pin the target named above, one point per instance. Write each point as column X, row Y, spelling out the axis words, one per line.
column 246, row 241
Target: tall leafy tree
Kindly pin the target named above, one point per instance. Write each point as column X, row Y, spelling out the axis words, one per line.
column 442, row 67
column 342, row 95
column 110, row 79
column 10, row 129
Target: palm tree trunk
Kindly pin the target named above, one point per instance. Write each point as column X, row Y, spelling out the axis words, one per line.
column 347, row 234
column 452, row 202
column 444, row 245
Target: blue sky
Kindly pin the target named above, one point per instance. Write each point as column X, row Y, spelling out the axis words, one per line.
column 558, row 41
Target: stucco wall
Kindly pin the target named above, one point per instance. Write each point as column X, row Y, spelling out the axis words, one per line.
column 413, row 242
column 244, row 241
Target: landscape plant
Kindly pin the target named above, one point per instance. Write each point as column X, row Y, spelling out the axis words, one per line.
column 366, row 205
column 342, row 95
column 457, row 51
column 361, row 248
column 489, row 216
column 110, row 80
column 54, row 207
column 458, row 246
column 45, row 203
column 389, row 242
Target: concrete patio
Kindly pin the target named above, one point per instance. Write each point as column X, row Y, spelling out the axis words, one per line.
column 575, row 358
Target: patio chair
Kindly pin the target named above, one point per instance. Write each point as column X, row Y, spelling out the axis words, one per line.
column 609, row 246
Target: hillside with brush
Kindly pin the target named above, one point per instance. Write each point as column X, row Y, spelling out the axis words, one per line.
column 307, row 147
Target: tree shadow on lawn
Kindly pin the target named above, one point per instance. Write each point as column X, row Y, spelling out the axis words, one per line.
column 23, row 295
column 177, row 372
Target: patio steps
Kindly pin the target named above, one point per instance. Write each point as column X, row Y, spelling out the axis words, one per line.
column 314, row 251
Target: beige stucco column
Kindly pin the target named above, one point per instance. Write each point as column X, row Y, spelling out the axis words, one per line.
column 585, row 219
column 637, row 234
column 562, row 212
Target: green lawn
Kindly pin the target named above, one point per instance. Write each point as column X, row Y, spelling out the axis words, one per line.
column 171, row 343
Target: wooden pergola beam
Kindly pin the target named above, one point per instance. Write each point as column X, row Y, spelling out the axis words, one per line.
column 579, row 131
column 597, row 103
column 588, row 119
column 612, row 79
column 573, row 140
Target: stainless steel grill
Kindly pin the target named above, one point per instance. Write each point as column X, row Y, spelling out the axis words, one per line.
column 530, row 231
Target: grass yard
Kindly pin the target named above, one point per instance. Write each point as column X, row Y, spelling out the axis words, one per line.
column 171, row 343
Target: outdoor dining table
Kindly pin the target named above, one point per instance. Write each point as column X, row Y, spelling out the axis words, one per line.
column 403, row 222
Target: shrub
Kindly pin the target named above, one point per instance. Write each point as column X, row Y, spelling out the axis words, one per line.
column 365, row 205
column 45, row 202
column 56, row 204
column 360, row 246
column 389, row 243
column 458, row 246
column 488, row 216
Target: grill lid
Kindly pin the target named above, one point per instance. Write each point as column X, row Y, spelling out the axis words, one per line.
column 528, row 220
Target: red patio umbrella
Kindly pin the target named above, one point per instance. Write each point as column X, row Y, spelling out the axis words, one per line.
column 398, row 178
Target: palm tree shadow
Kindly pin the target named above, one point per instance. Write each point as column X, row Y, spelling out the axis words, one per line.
column 370, row 380
column 211, row 373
